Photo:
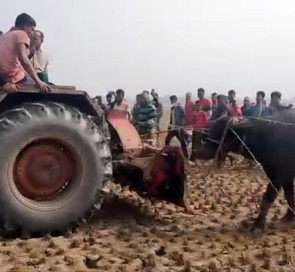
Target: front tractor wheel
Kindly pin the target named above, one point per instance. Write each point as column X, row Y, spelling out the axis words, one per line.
column 53, row 164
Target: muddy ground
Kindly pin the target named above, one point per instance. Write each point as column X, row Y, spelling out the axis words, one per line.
column 126, row 236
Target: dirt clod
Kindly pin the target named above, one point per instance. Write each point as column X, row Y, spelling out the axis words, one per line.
column 91, row 261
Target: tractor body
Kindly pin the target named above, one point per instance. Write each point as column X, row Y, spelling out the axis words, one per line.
column 59, row 154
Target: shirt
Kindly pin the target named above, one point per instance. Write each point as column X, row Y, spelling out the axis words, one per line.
column 40, row 61
column 177, row 115
column 221, row 110
column 145, row 117
column 121, row 109
column 200, row 120
column 10, row 65
column 206, row 106
column 189, row 112
column 206, row 103
column 214, row 106
column 256, row 110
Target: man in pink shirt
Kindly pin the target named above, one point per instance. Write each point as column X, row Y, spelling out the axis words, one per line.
column 233, row 109
column 15, row 65
column 189, row 110
column 206, row 104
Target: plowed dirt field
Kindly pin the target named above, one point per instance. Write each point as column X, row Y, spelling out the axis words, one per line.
column 126, row 236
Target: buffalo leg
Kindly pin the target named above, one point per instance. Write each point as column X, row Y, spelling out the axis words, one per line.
column 288, row 187
column 267, row 200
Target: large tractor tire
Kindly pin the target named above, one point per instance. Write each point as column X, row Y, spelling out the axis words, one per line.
column 53, row 164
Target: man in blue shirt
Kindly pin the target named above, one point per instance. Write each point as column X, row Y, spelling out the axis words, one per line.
column 258, row 109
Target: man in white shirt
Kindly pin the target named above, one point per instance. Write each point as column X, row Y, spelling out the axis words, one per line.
column 37, row 56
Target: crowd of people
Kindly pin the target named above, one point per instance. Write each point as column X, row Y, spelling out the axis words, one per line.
column 194, row 115
column 145, row 114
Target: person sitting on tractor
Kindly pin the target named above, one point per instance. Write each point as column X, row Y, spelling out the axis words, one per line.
column 14, row 62
column 6, row 87
column 144, row 116
column 38, row 57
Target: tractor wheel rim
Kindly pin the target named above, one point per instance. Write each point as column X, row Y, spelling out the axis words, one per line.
column 43, row 169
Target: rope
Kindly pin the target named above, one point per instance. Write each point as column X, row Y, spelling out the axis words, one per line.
column 174, row 127
column 260, row 167
column 222, row 140
column 272, row 122
column 201, row 130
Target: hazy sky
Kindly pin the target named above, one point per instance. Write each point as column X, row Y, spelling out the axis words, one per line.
column 171, row 45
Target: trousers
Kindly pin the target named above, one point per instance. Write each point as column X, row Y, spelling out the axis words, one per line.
column 180, row 135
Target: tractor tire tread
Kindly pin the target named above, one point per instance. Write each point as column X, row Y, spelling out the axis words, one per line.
column 15, row 118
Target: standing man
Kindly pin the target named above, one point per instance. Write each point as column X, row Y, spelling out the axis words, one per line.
column 275, row 105
column 246, row 104
column 158, row 105
column 121, row 107
column 176, row 125
column 145, row 92
column 98, row 103
column 189, row 110
column 110, row 98
column 144, row 116
column 214, row 101
column 14, row 62
column 221, row 110
column 38, row 57
column 258, row 109
column 205, row 103
column 233, row 108
column 200, row 124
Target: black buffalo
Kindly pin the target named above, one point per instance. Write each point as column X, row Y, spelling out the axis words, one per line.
column 272, row 141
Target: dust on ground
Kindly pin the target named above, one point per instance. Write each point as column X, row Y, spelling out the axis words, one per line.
column 126, row 236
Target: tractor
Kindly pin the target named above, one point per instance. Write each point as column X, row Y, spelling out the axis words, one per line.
column 59, row 154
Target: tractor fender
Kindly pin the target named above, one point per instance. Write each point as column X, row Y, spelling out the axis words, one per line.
column 127, row 133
